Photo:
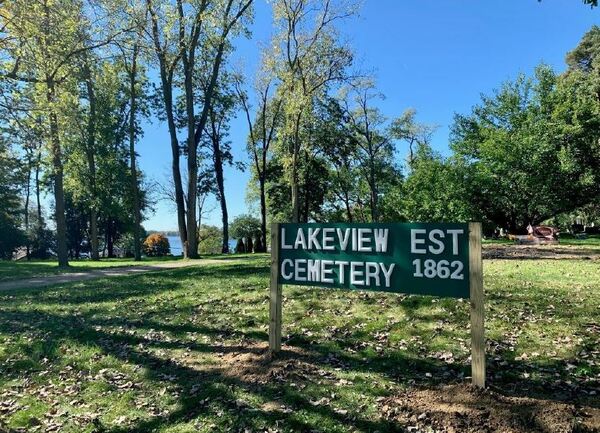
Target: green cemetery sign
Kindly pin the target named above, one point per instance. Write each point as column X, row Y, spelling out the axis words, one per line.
column 418, row 258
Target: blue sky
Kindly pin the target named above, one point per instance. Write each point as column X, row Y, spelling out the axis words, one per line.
column 436, row 56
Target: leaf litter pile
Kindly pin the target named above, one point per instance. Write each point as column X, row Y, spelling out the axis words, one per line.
column 186, row 351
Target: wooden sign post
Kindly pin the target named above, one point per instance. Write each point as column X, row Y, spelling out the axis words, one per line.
column 420, row 258
column 477, row 312
column 275, row 294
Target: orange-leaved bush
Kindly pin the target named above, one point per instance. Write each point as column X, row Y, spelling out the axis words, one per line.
column 157, row 245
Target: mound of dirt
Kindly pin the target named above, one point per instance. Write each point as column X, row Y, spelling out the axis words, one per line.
column 255, row 364
column 464, row 409
column 524, row 252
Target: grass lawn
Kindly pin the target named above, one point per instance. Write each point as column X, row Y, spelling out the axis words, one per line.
column 11, row 270
column 184, row 351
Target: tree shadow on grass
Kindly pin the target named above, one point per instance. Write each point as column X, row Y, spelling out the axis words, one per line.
column 215, row 385
column 196, row 385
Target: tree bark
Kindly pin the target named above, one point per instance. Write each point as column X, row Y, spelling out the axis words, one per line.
column 110, row 240
column 137, row 249
column 90, row 155
column 192, row 160
column 37, row 188
column 59, row 193
column 179, row 200
column 27, row 195
column 166, row 76
column 374, row 195
column 295, row 160
column 263, row 213
column 218, row 163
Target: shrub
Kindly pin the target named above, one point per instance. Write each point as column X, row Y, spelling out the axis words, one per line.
column 244, row 228
column 210, row 240
column 240, row 247
column 156, row 245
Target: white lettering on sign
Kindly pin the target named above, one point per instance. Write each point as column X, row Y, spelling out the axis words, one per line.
column 440, row 245
column 455, row 233
column 285, row 246
column 344, row 239
column 381, row 240
column 436, row 238
column 313, row 242
column 368, row 240
column 367, row 274
column 326, row 271
column 300, row 240
column 299, row 267
column 372, row 271
column 342, row 264
column 414, row 241
column 328, row 239
column 314, row 270
column 387, row 273
column 442, row 269
column 284, row 274
column 356, row 273
column 363, row 240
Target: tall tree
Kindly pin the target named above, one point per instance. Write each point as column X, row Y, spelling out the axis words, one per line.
column 216, row 141
column 44, row 40
column 168, row 55
column 181, row 33
column 90, row 152
column 415, row 134
column 530, row 151
column 261, row 133
column 11, row 182
column 375, row 148
column 308, row 56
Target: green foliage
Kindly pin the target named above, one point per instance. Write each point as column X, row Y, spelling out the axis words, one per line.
column 245, row 226
column 432, row 191
column 210, row 240
column 126, row 243
column 156, row 245
column 41, row 241
column 11, row 235
column 77, row 223
column 519, row 163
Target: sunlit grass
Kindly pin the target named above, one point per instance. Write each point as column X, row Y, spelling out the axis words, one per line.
column 168, row 352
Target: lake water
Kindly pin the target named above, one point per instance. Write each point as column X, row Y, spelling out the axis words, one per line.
column 177, row 250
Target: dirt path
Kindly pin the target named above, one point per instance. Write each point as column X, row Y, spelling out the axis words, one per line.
column 48, row 280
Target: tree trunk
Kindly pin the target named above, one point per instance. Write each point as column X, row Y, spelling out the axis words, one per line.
column 347, row 203
column 263, row 212
column 199, row 128
column 295, row 160
column 27, row 195
column 179, row 200
column 137, row 249
column 37, row 188
column 110, row 244
column 374, row 194
column 59, row 193
column 192, row 161
column 90, row 154
column 218, row 163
